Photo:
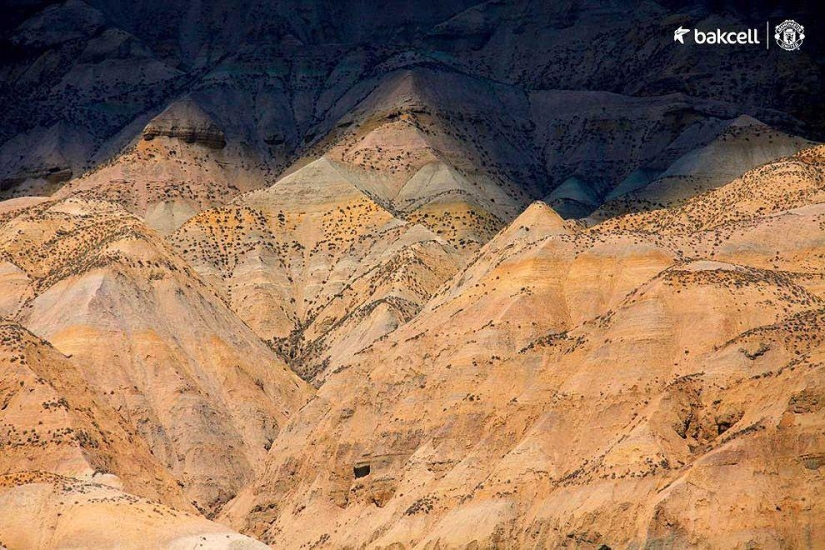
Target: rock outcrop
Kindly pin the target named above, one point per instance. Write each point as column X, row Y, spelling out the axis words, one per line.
column 186, row 121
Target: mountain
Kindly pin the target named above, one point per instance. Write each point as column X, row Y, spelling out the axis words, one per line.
column 83, row 79
column 201, row 389
column 460, row 275
column 555, row 393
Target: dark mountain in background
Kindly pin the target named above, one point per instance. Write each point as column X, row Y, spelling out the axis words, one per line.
column 80, row 79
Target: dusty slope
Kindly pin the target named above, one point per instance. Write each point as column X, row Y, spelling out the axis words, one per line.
column 203, row 391
column 412, row 150
column 489, row 375
column 316, row 267
column 75, row 514
column 615, row 423
column 52, row 421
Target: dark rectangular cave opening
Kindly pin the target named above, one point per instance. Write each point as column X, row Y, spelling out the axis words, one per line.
column 361, row 471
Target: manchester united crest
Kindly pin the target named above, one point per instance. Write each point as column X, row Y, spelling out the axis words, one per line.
column 789, row 35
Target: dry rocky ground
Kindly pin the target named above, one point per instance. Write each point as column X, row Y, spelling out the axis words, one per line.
column 652, row 380
column 314, row 280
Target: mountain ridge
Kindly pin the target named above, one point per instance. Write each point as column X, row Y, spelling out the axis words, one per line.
column 498, row 274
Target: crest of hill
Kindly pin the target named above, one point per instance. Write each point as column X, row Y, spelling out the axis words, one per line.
column 315, row 185
column 416, row 146
column 590, row 141
column 40, row 161
column 108, row 68
column 784, row 184
column 743, row 145
column 92, row 84
column 542, row 219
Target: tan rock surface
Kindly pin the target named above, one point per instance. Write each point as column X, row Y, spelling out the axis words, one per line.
column 607, row 418
column 315, row 266
column 74, row 514
column 197, row 385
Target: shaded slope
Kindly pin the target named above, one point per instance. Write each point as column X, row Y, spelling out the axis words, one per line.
column 743, row 145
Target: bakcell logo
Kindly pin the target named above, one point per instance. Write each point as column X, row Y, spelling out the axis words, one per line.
column 751, row 36
column 788, row 35
column 717, row 36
